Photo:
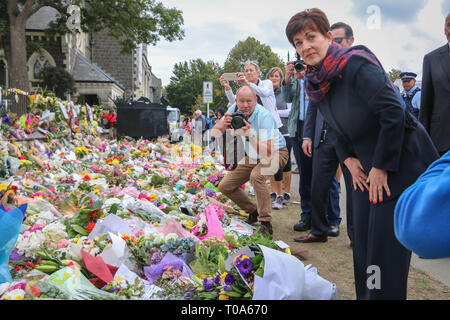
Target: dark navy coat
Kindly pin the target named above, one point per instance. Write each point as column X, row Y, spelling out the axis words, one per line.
column 367, row 113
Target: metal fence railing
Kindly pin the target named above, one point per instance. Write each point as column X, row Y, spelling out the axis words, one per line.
column 13, row 102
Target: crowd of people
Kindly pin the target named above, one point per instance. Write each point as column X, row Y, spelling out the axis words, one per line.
column 337, row 111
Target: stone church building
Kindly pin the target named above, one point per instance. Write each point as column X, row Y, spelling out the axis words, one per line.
column 102, row 74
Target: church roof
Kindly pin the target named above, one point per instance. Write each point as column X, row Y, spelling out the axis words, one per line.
column 84, row 70
column 41, row 19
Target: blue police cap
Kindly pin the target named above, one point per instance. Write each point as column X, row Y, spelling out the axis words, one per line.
column 407, row 76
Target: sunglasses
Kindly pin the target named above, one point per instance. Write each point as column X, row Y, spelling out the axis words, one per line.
column 339, row 40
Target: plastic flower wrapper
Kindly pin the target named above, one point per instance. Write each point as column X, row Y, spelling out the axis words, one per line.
column 176, row 228
column 285, row 278
column 10, row 224
column 122, row 287
column 209, row 224
column 77, row 287
column 169, row 262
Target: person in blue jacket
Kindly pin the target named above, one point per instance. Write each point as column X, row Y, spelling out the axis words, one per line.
column 422, row 214
column 357, row 99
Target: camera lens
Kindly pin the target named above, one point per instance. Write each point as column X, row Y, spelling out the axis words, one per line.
column 237, row 123
column 299, row 66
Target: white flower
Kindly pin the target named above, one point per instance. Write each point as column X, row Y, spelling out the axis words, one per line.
column 29, row 243
column 171, row 236
column 159, row 239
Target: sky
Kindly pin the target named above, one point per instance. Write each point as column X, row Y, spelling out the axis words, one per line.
column 399, row 32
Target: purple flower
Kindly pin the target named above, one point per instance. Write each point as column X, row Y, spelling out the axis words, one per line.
column 208, row 284
column 217, row 280
column 230, row 279
column 7, row 119
column 210, row 192
column 227, row 288
column 156, row 257
column 212, row 178
column 244, row 266
column 14, row 256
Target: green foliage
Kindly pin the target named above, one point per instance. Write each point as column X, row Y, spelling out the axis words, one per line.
column 252, row 50
column 58, row 80
column 186, row 85
column 129, row 21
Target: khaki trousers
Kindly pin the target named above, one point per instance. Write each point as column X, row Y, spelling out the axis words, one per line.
column 257, row 173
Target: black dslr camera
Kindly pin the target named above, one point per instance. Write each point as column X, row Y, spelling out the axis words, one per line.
column 237, row 120
column 299, row 64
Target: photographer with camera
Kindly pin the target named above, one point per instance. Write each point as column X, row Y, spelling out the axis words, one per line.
column 293, row 90
column 265, row 152
column 263, row 88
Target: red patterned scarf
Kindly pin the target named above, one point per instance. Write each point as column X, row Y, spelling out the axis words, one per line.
column 320, row 78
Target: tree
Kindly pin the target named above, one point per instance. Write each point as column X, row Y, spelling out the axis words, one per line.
column 130, row 21
column 252, row 50
column 394, row 74
column 186, row 85
column 58, row 80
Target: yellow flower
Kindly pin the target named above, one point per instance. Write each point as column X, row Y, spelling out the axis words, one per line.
column 97, row 191
column 153, row 197
column 119, row 278
column 3, row 186
column 190, row 225
column 243, row 257
column 224, row 297
column 223, row 275
column 115, row 162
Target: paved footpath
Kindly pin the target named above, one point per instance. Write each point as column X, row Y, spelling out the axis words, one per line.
column 438, row 269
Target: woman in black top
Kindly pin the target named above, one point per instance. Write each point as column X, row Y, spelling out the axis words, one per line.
column 357, row 99
column 284, row 174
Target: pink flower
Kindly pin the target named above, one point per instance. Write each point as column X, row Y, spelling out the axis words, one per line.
column 195, row 229
column 20, row 285
column 63, row 243
column 36, row 227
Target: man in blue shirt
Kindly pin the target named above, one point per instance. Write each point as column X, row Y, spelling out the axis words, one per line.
column 412, row 94
column 293, row 90
column 265, row 153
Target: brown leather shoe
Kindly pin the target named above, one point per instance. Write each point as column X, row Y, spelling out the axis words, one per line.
column 311, row 238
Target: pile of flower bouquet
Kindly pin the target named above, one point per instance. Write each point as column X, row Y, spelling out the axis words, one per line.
column 84, row 217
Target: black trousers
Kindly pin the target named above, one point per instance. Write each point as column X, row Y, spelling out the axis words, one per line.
column 349, row 192
column 324, row 189
column 377, row 254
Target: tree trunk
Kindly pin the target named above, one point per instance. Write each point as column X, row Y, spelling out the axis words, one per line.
column 18, row 67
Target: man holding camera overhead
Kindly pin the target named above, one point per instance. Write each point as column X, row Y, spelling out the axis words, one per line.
column 265, row 152
column 293, row 90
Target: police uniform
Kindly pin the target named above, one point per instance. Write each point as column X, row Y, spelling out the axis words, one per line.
column 413, row 96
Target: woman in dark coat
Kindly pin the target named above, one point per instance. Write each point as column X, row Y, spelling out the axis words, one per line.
column 358, row 100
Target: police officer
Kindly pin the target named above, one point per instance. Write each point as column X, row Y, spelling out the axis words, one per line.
column 412, row 94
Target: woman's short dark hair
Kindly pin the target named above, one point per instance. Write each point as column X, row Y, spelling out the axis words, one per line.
column 314, row 18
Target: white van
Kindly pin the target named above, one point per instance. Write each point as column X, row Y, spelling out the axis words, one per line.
column 175, row 130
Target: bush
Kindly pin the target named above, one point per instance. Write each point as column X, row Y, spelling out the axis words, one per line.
column 59, row 81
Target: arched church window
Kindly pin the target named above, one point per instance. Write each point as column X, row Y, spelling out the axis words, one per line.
column 37, row 69
column 37, row 63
